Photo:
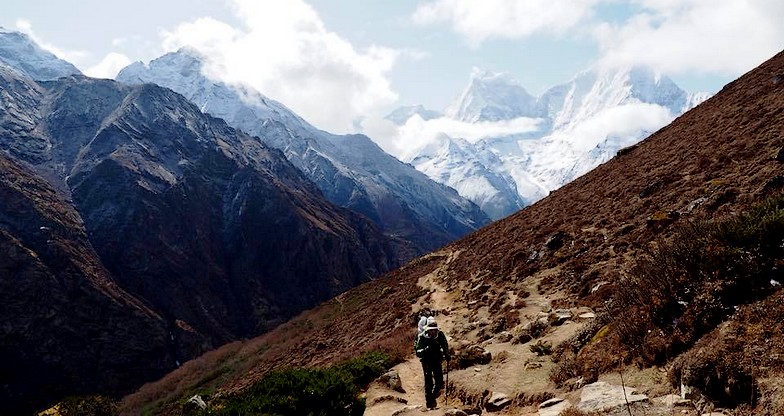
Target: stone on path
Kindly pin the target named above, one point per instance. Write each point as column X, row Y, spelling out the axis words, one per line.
column 392, row 380
column 601, row 396
column 497, row 402
column 556, row 409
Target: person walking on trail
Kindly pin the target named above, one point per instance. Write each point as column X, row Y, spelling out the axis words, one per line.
column 431, row 348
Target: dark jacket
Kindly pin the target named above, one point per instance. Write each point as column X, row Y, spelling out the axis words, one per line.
column 432, row 349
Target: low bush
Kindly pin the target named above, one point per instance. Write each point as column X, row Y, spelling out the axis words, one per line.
column 573, row 411
column 88, row 406
column 685, row 287
column 541, row 348
column 309, row 392
column 367, row 367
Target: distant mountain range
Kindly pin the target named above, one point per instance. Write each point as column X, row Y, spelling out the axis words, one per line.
column 579, row 125
column 351, row 170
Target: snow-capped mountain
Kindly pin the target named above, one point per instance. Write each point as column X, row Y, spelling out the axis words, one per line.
column 492, row 97
column 20, row 52
column 402, row 114
column 457, row 161
column 351, row 170
column 581, row 124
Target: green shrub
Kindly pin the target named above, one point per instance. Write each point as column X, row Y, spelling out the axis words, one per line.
column 367, row 367
column 88, row 406
column 332, row 391
column 297, row 391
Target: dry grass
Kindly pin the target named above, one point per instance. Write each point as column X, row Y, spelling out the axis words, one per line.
column 719, row 153
column 573, row 411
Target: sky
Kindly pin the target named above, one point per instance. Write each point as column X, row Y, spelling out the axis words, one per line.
column 343, row 63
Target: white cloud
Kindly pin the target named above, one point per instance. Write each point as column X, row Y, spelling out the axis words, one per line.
column 509, row 19
column 416, row 133
column 625, row 121
column 702, row 36
column 284, row 51
column 72, row 56
column 109, row 66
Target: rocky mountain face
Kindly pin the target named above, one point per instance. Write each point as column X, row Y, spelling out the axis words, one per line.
column 215, row 233
column 18, row 51
column 350, row 170
column 579, row 125
column 67, row 326
column 544, row 281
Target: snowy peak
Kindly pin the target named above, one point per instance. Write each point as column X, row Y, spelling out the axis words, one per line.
column 20, row 52
column 241, row 107
column 596, row 90
column 351, row 171
column 492, row 97
column 582, row 123
column 400, row 115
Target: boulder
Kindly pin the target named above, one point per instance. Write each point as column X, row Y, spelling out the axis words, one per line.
column 497, row 401
column 551, row 402
column 389, row 398
column 473, row 355
column 554, row 407
column 559, row 316
column 194, row 405
column 556, row 241
column 392, row 380
column 455, row 412
column 504, row 336
column 601, row 396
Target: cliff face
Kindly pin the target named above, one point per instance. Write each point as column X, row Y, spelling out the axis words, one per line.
column 182, row 234
column 66, row 325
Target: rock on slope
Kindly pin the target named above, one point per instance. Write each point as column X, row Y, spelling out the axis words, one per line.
column 350, row 170
column 570, row 246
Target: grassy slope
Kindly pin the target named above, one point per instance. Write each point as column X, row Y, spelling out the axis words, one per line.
column 719, row 157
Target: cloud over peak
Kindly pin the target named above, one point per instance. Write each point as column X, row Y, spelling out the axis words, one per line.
column 284, row 50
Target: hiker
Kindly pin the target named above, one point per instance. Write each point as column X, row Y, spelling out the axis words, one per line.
column 431, row 347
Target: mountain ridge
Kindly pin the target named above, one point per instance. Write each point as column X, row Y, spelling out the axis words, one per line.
column 424, row 218
column 581, row 124
column 210, row 232
column 35, row 62
column 571, row 249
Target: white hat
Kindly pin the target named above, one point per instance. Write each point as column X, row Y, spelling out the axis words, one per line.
column 431, row 324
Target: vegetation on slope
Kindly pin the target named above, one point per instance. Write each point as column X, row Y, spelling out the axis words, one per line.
column 701, row 287
column 326, row 391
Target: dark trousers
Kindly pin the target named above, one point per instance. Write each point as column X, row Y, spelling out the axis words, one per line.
column 434, row 381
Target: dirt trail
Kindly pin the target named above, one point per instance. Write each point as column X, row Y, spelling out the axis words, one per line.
column 410, row 371
column 514, row 369
column 498, row 376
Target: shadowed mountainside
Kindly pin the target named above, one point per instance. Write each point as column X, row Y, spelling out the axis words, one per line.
column 66, row 322
column 574, row 246
column 216, row 233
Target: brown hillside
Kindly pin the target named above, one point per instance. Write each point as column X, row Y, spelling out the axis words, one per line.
column 565, row 251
